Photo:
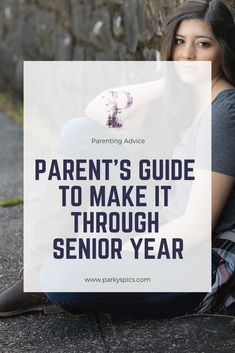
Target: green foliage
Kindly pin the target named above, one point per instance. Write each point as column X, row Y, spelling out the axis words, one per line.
column 12, row 109
column 14, row 201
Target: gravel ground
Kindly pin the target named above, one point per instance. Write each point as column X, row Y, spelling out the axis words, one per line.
column 11, row 158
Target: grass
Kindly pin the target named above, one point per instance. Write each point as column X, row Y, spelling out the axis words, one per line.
column 12, row 109
column 15, row 112
column 14, row 201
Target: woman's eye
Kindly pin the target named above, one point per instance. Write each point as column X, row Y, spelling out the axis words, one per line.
column 203, row 44
column 179, row 41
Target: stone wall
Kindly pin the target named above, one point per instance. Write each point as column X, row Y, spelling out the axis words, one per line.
column 78, row 30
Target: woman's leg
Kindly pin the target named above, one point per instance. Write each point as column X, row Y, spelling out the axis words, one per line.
column 222, row 295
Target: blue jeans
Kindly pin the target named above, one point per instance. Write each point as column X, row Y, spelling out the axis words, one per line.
column 158, row 305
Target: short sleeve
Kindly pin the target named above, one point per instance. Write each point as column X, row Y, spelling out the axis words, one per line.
column 223, row 136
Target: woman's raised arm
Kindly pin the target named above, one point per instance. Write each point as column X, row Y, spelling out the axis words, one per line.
column 138, row 95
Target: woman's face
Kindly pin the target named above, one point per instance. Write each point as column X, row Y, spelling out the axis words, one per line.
column 194, row 41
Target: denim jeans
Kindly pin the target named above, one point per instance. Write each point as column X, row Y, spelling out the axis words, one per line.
column 159, row 305
column 156, row 305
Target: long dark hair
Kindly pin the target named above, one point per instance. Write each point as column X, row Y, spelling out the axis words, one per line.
column 219, row 17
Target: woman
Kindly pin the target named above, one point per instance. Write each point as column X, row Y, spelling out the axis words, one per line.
column 218, row 45
column 197, row 31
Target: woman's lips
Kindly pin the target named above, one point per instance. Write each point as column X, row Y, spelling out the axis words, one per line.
column 186, row 67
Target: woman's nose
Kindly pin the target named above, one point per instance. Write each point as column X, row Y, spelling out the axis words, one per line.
column 188, row 53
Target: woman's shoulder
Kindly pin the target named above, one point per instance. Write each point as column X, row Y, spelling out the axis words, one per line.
column 225, row 98
column 223, row 132
column 223, row 106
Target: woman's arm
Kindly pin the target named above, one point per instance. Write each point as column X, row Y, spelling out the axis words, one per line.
column 193, row 223
column 195, row 219
column 141, row 95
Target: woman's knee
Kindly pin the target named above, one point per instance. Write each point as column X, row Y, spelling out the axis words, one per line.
column 72, row 302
